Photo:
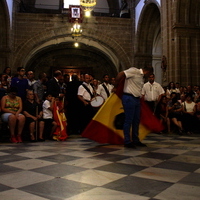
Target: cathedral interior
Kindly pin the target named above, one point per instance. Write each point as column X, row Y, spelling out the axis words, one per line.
column 37, row 36
column 165, row 34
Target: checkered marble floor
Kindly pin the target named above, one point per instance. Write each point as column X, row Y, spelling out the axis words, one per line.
column 81, row 169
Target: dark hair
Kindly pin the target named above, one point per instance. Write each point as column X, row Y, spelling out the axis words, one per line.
column 149, row 69
column 152, row 74
column 57, row 73
column 188, row 95
column 4, row 71
column 41, row 75
column 12, row 89
column 173, row 93
column 169, row 85
column 175, row 99
column 74, row 77
column 105, row 75
column 29, row 71
column 47, row 94
column 1, row 75
column 19, row 68
column 28, row 91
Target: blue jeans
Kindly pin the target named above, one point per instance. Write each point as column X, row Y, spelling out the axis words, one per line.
column 131, row 106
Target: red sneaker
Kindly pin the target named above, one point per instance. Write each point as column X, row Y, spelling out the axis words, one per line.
column 19, row 139
column 13, row 139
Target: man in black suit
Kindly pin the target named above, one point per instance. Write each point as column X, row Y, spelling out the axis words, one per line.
column 73, row 106
column 53, row 86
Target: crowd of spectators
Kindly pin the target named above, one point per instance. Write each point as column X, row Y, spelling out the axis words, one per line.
column 179, row 108
column 25, row 100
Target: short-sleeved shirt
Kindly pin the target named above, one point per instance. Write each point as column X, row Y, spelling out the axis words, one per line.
column 177, row 104
column 101, row 90
column 84, row 93
column 152, row 91
column 38, row 88
column 189, row 107
column 47, row 114
column 31, row 107
column 134, row 81
column 22, row 86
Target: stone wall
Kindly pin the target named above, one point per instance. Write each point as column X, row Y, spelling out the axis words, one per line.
column 181, row 40
column 35, row 30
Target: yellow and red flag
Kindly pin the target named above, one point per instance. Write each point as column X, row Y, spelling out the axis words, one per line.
column 60, row 133
column 106, row 125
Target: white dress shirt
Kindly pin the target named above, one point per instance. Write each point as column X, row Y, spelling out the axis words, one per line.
column 84, row 93
column 152, row 91
column 101, row 91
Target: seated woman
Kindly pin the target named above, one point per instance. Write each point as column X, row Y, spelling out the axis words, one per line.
column 11, row 106
column 33, row 113
column 174, row 112
column 189, row 109
column 171, row 88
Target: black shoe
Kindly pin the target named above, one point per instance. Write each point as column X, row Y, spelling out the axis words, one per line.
column 33, row 140
column 40, row 140
column 140, row 144
column 180, row 132
column 129, row 145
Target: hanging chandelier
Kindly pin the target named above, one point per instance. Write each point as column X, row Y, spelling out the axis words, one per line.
column 88, row 5
column 76, row 30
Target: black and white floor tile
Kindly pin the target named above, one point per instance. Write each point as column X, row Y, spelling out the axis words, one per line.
column 81, row 169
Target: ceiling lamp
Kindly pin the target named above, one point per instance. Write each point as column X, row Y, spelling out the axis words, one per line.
column 76, row 30
column 76, row 44
column 88, row 5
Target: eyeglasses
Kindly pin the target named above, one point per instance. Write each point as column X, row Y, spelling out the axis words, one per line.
column 22, row 70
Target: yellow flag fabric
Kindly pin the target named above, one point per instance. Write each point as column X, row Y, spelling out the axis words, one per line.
column 106, row 126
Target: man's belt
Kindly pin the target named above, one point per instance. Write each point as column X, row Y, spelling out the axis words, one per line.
column 128, row 94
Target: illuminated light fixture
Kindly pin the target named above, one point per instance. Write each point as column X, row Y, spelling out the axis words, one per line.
column 88, row 5
column 76, row 44
column 76, row 30
column 87, row 13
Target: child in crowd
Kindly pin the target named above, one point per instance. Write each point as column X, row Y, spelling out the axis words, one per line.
column 50, row 124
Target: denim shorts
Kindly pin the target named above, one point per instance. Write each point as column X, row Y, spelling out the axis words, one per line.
column 5, row 116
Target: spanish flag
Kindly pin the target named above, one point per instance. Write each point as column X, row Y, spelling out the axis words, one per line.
column 60, row 133
column 106, row 126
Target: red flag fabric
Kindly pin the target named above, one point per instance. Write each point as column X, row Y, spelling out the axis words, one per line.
column 106, row 125
column 60, row 133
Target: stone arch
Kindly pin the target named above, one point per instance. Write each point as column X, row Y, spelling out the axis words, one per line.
column 107, row 46
column 148, row 49
column 4, row 32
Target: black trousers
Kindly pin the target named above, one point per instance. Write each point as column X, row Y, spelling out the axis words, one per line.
column 87, row 113
column 151, row 105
